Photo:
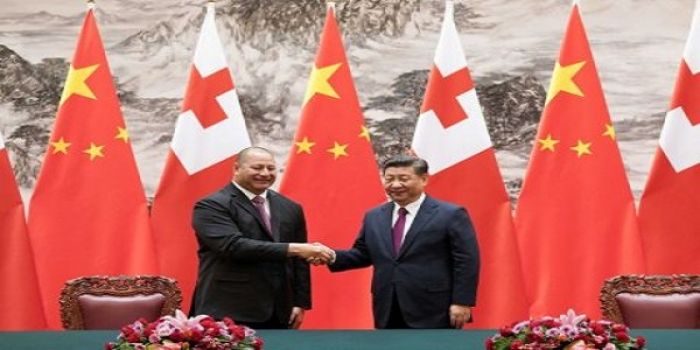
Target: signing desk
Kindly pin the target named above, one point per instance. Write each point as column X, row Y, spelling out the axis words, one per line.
column 334, row 340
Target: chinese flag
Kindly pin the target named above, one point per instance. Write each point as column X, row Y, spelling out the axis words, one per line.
column 332, row 172
column 668, row 210
column 208, row 133
column 451, row 135
column 20, row 299
column 575, row 219
column 88, row 214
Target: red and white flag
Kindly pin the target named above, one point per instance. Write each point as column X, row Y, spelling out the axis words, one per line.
column 209, row 132
column 451, row 135
column 20, row 299
column 668, row 209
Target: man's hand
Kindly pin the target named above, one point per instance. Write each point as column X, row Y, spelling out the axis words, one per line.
column 318, row 261
column 296, row 318
column 315, row 253
column 459, row 315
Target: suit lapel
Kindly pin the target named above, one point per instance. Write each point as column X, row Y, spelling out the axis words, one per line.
column 275, row 213
column 425, row 213
column 385, row 228
column 240, row 200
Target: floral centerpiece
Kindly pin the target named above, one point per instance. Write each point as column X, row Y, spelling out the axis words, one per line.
column 181, row 333
column 567, row 332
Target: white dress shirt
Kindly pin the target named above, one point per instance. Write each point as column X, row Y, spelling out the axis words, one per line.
column 252, row 195
column 412, row 210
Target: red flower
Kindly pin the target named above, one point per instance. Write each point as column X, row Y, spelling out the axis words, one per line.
column 506, row 331
column 622, row 336
column 598, row 328
column 176, row 336
column 516, row 345
column 641, row 341
column 619, row 328
column 237, row 332
column 488, row 344
column 258, row 343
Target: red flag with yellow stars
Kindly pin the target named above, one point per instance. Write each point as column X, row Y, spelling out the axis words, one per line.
column 88, row 214
column 575, row 218
column 332, row 172
column 20, row 300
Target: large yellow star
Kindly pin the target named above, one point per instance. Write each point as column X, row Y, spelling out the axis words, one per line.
column 338, row 150
column 75, row 83
column 582, row 148
column 609, row 131
column 547, row 144
column 122, row 134
column 318, row 82
column 60, row 146
column 304, row 145
column 563, row 80
column 94, row 151
column 365, row 133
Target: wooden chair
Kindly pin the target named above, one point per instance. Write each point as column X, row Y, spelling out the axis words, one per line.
column 640, row 301
column 108, row 302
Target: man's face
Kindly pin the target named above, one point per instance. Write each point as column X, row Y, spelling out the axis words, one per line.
column 256, row 172
column 403, row 185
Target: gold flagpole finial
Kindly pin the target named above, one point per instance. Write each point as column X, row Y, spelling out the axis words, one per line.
column 330, row 5
column 90, row 4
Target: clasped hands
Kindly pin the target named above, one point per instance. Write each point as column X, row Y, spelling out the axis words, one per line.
column 314, row 253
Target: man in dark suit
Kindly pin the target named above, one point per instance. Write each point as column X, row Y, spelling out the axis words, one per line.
column 252, row 250
column 424, row 253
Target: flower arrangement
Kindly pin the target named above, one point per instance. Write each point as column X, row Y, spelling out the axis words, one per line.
column 568, row 332
column 181, row 333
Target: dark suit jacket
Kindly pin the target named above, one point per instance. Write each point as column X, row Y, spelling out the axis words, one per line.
column 244, row 271
column 437, row 265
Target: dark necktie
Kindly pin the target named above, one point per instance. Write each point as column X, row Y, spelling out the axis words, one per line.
column 259, row 203
column 397, row 231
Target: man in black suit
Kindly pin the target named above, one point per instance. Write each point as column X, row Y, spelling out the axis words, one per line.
column 424, row 253
column 252, row 250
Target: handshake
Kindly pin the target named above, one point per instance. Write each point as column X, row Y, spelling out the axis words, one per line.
column 313, row 253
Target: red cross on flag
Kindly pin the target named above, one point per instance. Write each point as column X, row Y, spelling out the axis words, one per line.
column 20, row 299
column 209, row 132
column 88, row 214
column 668, row 210
column 451, row 135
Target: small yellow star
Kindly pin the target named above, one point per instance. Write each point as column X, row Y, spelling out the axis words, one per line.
column 122, row 134
column 563, row 80
column 94, row 151
column 75, row 83
column 609, row 131
column 318, row 82
column 304, row 145
column 547, row 143
column 582, row 148
column 60, row 146
column 365, row 133
column 338, row 150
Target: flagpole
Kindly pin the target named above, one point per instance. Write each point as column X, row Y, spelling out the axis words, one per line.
column 211, row 5
column 90, row 4
column 330, row 5
column 449, row 9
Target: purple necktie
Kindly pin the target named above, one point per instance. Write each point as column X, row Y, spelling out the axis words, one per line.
column 397, row 231
column 259, row 203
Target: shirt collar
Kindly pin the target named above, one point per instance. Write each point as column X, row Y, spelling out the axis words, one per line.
column 412, row 207
column 249, row 194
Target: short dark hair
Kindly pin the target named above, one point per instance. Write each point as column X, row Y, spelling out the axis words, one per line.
column 243, row 154
column 420, row 166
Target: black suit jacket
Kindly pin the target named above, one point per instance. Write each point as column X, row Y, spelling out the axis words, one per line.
column 437, row 265
column 244, row 271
